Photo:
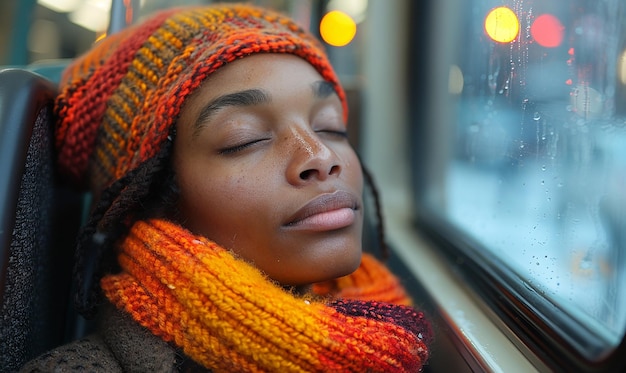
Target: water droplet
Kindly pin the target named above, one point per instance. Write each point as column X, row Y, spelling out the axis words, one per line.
column 536, row 116
column 543, row 167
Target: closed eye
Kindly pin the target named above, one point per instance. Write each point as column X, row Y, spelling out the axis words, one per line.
column 342, row 134
column 240, row 147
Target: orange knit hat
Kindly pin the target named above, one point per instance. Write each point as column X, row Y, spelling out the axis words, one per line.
column 119, row 102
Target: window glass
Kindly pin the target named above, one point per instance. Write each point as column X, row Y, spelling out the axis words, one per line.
column 534, row 159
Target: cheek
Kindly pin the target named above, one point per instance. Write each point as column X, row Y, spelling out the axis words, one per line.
column 219, row 204
column 353, row 170
column 207, row 194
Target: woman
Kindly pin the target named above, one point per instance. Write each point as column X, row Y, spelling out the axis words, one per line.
column 227, row 232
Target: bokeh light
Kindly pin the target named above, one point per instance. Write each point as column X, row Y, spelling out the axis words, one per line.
column 502, row 25
column 587, row 102
column 621, row 67
column 356, row 9
column 337, row 28
column 455, row 80
column 547, row 31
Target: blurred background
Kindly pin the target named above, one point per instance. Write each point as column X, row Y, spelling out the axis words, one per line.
column 39, row 30
column 496, row 130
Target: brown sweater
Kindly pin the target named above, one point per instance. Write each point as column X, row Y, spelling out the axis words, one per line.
column 120, row 345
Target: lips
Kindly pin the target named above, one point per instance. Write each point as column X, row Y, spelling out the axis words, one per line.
column 326, row 212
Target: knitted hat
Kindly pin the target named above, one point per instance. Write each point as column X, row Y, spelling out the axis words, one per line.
column 119, row 102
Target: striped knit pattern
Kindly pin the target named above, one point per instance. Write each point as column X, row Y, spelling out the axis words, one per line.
column 229, row 317
column 119, row 102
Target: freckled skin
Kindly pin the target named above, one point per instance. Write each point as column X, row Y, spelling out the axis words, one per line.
column 243, row 199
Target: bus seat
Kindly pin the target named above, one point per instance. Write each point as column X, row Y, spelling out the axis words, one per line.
column 39, row 221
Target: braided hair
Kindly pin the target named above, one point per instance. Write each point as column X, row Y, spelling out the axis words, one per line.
column 147, row 191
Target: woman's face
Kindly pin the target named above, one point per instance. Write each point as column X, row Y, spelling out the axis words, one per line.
column 265, row 169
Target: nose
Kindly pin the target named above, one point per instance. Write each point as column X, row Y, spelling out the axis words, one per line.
column 310, row 158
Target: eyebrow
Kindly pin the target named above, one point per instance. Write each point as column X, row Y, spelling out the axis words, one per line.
column 250, row 97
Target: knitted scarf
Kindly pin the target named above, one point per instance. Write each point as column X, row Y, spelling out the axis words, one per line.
column 229, row 317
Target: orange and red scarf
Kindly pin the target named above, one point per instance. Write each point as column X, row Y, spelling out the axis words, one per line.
column 228, row 316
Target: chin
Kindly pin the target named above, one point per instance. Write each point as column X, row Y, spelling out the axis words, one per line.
column 341, row 264
column 332, row 269
column 350, row 266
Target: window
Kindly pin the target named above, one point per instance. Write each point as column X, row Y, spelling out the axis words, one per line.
column 526, row 164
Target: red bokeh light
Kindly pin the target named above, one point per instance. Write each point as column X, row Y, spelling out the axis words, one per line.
column 547, row 31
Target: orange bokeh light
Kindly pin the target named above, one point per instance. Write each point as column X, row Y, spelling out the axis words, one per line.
column 547, row 31
column 502, row 25
column 337, row 28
